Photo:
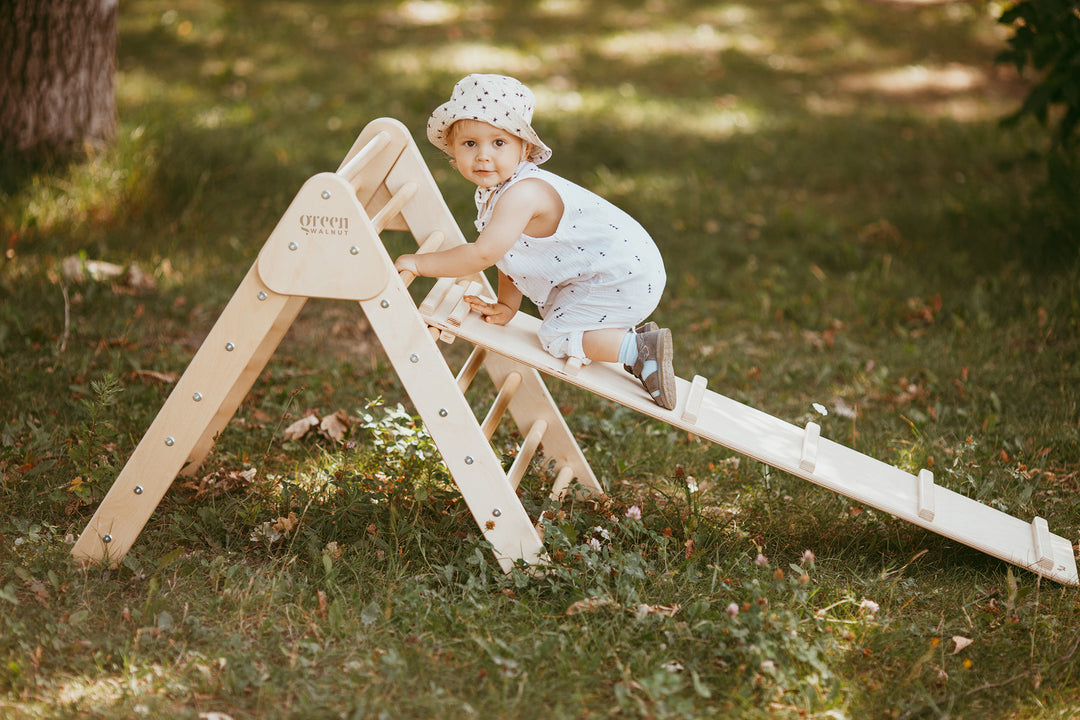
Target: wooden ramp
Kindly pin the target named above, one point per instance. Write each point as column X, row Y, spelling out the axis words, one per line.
column 328, row 245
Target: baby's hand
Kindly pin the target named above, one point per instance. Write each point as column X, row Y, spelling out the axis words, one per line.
column 406, row 263
column 494, row 313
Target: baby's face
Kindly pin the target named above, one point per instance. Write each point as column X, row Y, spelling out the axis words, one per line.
column 484, row 154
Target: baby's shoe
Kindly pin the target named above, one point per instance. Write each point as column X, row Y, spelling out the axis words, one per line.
column 656, row 345
column 647, row 327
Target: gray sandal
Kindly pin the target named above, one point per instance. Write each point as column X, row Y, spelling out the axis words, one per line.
column 656, row 345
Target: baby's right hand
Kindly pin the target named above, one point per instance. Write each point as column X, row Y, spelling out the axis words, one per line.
column 495, row 313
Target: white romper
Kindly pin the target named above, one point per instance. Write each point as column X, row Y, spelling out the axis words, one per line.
column 599, row 270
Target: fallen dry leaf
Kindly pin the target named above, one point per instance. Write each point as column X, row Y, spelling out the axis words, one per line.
column 961, row 643
column 591, row 604
column 335, row 426
column 218, row 483
column 644, row 610
column 286, row 524
column 155, row 376
column 299, row 428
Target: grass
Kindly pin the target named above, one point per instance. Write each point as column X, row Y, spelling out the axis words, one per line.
column 843, row 222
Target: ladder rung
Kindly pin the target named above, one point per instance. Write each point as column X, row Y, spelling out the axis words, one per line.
column 693, row 401
column 471, row 367
column 525, row 453
column 1044, row 551
column 393, row 205
column 572, row 366
column 462, row 308
column 433, row 242
column 502, row 401
column 924, row 500
column 435, row 295
column 808, row 459
column 358, row 161
column 562, row 482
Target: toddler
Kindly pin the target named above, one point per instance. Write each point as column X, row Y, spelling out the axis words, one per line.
column 591, row 270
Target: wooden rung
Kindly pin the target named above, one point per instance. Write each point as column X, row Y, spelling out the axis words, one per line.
column 562, row 483
column 462, row 308
column 451, row 300
column 394, row 205
column 435, row 295
column 693, row 400
column 502, row 402
column 434, row 242
column 808, row 459
column 572, row 366
column 472, row 366
column 1044, row 551
column 925, row 505
column 447, row 337
column 526, row 452
column 357, row 162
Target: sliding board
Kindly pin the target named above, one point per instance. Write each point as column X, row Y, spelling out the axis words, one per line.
column 799, row 451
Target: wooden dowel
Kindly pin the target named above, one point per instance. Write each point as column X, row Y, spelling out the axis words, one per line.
column 470, row 368
column 393, row 206
column 526, row 452
column 562, row 482
column 433, row 242
column 502, row 401
column 357, row 162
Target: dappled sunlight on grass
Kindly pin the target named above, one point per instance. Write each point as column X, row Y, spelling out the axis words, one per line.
column 842, row 222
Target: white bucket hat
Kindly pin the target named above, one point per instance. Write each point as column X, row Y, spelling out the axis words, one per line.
column 495, row 99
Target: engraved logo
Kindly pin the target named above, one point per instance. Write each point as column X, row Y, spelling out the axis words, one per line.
column 324, row 225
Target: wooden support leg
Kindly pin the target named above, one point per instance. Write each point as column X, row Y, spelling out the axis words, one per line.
column 201, row 403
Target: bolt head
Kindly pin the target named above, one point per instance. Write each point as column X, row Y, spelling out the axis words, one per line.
column 106, row 538
column 293, row 246
column 170, row 441
column 138, row 490
column 325, row 194
column 496, row 512
column 229, row 347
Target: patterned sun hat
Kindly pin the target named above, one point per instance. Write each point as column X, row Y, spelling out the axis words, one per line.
column 495, row 99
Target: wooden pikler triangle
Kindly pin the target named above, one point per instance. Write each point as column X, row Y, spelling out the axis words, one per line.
column 327, row 245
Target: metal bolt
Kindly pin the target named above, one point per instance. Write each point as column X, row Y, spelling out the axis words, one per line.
column 293, row 246
column 496, row 512
column 442, row 412
column 138, row 489
column 106, row 538
column 229, row 347
column 414, row 358
column 468, row 460
column 384, row 304
column 170, row 441
column 197, row 397
column 261, row 295
column 325, row 194
column 354, row 250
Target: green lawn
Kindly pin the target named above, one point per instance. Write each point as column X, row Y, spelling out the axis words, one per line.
column 843, row 222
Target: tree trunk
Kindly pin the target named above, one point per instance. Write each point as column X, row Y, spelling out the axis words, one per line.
column 56, row 76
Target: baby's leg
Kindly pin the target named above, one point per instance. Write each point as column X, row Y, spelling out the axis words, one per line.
column 604, row 345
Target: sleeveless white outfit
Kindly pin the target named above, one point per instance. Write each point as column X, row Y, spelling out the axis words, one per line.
column 599, row 270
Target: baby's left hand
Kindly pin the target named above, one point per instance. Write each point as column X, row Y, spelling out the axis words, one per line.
column 495, row 313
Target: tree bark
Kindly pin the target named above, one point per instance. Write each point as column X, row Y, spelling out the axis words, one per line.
column 56, row 75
